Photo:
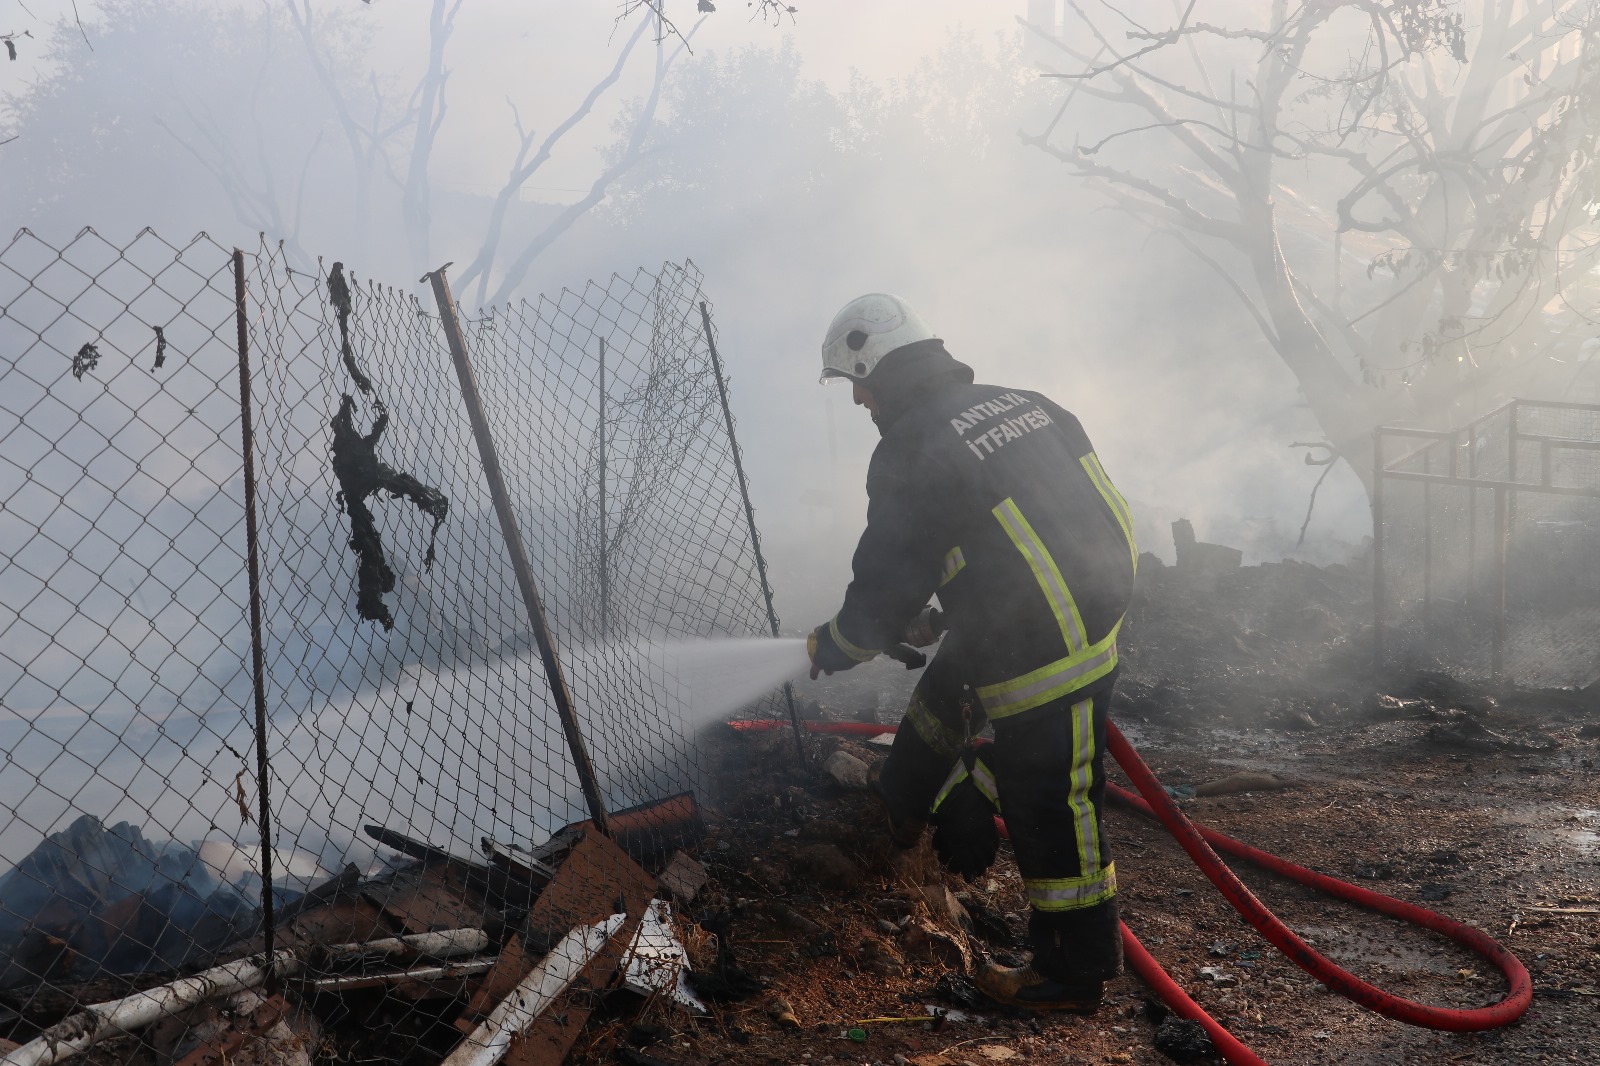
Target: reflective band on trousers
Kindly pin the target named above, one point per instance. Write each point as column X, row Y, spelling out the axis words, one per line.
column 1114, row 500
column 1052, row 682
column 1085, row 827
column 1071, row 893
column 1045, row 572
column 982, row 780
column 953, row 562
column 859, row 654
column 934, row 733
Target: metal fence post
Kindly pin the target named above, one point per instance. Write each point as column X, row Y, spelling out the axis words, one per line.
column 490, row 458
column 605, row 562
column 257, row 658
column 1377, row 549
column 1501, row 507
column 1427, row 547
column 750, row 519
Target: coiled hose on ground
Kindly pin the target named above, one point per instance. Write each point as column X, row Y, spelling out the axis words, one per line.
column 1198, row 842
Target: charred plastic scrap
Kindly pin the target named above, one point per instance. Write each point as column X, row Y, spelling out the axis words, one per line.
column 429, row 959
column 361, row 473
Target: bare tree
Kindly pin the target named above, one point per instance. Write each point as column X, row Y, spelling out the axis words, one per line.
column 391, row 148
column 1410, row 225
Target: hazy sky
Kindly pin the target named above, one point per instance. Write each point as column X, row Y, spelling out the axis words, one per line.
column 1080, row 318
column 1016, row 264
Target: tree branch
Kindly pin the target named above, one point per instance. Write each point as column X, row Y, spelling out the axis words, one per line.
column 1226, row 275
column 602, row 184
column 1161, row 41
column 1182, row 211
column 521, row 171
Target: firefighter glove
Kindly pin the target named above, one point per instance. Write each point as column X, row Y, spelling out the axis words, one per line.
column 964, row 834
column 825, row 653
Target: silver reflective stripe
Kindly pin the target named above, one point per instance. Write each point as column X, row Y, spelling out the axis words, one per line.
column 1072, row 893
column 982, row 780
column 934, row 733
column 1083, row 752
column 953, row 562
column 1052, row 682
column 983, row 777
column 1114, row 500
column 958, row 774
column 1044, row 570
column 859, row 654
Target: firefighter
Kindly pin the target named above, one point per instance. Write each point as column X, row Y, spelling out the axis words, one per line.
column 992, row 499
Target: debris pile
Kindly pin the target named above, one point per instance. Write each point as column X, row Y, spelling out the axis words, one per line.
column 92, row 899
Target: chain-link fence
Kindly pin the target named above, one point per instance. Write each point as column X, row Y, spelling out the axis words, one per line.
column 1487, row 539
column 420, row 775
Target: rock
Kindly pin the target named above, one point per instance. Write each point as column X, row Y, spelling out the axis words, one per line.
column 779, row 1011
column 1433, row 891
column 923, row 939
column 791, row 919
column 1217, row 977
column 942, row 904
column 891, row 908
column 1464, row 734
column 828, row 866
column 996, row 1053
column 1243, row 781
column 287, row 1040
column 1198, row 558
column 1182, row 1040
column 849, row 771
column 771, row 741
column 684, row 877
column 876, row 956
column 961, row 990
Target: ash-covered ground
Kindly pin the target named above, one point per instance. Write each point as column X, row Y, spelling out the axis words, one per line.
column 1479, row 802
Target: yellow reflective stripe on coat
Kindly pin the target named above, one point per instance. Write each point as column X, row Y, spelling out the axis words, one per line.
column 954, row 561
column 1071, row 893
column 982, row 779
column 934, row 733
column 1053, row 681
column 1114, row 500
column 859, row 654
column 1045, row 572
column 1084, row 826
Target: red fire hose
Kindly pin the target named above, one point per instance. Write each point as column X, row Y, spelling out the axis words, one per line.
column 1197, row 841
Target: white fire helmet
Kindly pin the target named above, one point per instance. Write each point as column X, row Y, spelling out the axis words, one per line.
column 865, row 330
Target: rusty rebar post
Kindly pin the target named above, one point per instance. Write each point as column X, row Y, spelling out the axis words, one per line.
column 490, row 458
column 750, row 519
column 257, row 656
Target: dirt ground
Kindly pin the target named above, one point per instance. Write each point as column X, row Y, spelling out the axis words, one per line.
column 1483, row 805
column 1479, row 801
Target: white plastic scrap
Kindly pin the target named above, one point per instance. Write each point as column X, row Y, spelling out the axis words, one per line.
column 657, row 960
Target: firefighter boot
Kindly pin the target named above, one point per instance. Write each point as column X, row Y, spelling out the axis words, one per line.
column 1074, row 953
column 1026, row 987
